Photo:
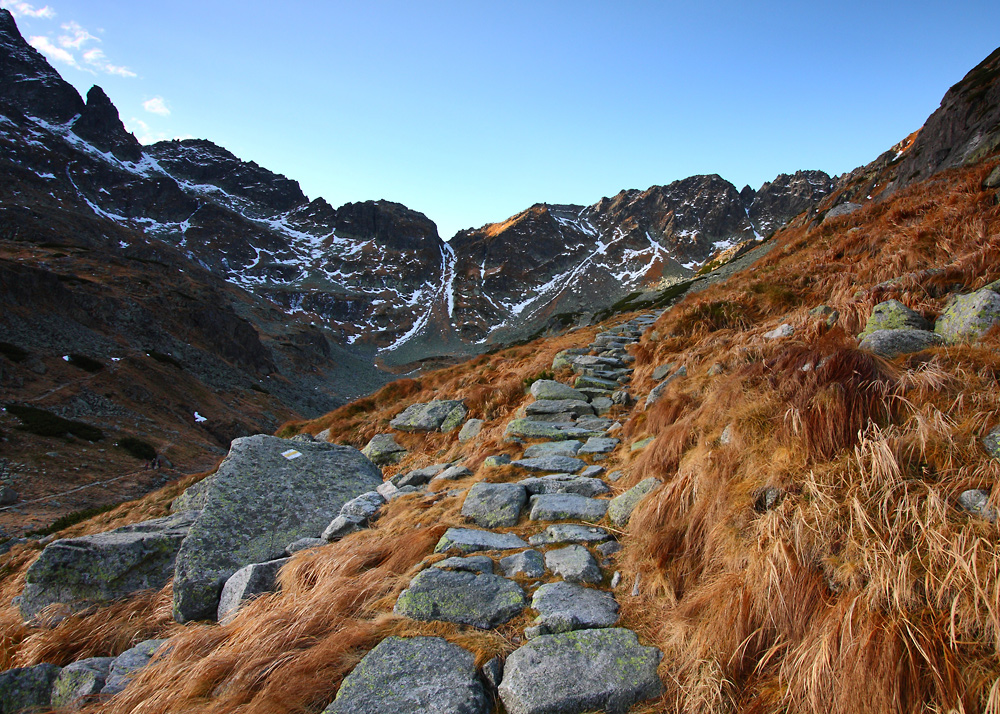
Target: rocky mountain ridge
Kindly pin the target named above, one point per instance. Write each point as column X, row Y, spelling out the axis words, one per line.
column 377, row 273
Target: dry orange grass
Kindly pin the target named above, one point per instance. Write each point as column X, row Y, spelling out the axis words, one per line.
column 864, row 589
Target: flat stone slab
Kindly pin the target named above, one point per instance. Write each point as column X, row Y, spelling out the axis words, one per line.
column 418, row 477
column 549, row 431
column 892, row 343
column 128, row 663
column 569, row 533
column 565, row 483
column 586, row 381
column 471, row 564
column 559, row 406
column 103, row 567
column 412, row 675
column 264, row 495
column 470, row 540
column 528, row 563
column 564, row 607
column 553, row 448
column 575, row 564
column 470, row 430
column 483, row 601
column 566, row 507
column 604, row 670
column 551, row 464
column 246, row 583
column 494, row 505
column 453, row 473
column 621, row 507
column 544, row 389
column 439, row 415
column 600, row 445
column 595, row 424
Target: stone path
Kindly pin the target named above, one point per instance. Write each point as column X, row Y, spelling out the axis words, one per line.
column 573, row 658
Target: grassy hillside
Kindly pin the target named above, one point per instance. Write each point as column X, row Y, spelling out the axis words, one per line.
column 864, row 589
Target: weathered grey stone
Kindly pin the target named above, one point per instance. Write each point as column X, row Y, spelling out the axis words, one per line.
column 663, row 370
column 483, row 601
column 621, row 507
column 495, row 505
column 304, row 544
column 976, row 501
column 404, row 491
column 767, row 499
column 544, row 389
column 128, row 663
column 602, row 405
column 566, row 606
column 25, row 689
column 992, row 442
column 528, row 563
column 574, row 563
column 365, row 506
column 565, row 483
column 844, row 209
column 967, row 317
column 324, row 435
column 600, row 445
column 530, row 429
column 716, row 369
column 193, row 497
column 246, row 583
column 586, row 381
column 469, row 540
column 615, row 475
column 438, row 415
column 386, row 490
column 553, row 448
column 592, row 472
column 609, row 548
column 413, row 675
column 564, row 358
column 641, row 444
column 471, row 564
column 551, row 464
column 8, row 496
column 603, row 670
column 657, row 392
column 344, row 525
column 453, row 473
column 496, row 461
column 383, row 450
column 891, row 343
column 492, row 672
column 470, row 430
column 259, row 501
column 418, row 477
column 594, row 424
column 566, row 507
column 576, row 407
column 105, row 566
column 993, row 180
column 83, row 678
column 894, row 315
column 779, row 332
column 569, row 533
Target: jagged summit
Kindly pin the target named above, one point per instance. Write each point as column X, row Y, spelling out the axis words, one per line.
column 100, row 125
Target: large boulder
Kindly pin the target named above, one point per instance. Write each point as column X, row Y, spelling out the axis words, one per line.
column 603, row 670
column 439, row 415
column 81, row 679
column 99, row 568
column 967, row 317
column 412, row 675
column 483, row 600
column 27, row 688
column 493, row 505
column 263, row 496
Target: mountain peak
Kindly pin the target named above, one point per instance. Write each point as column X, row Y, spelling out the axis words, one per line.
column 100, row 124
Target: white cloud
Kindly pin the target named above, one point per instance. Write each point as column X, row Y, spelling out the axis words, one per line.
column 52, row 51
column 76, row 36
column 26, row 9
column 98, row 60
column 147, row 135
column 156, row 105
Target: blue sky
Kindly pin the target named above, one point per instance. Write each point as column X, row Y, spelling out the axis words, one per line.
column 471, row 112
